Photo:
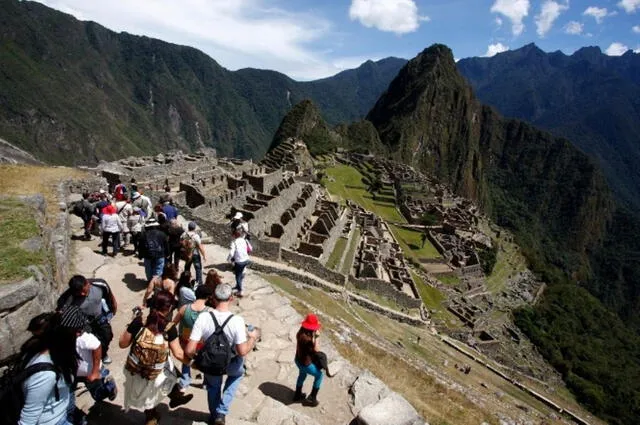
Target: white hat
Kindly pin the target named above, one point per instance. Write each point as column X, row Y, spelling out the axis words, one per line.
column 151, row 222
column 103, row 191
column 135, row 195
column 238, row 216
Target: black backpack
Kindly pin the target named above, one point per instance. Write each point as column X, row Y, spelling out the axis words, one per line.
column 152, row 246
column 11, row 396
column 215, row 356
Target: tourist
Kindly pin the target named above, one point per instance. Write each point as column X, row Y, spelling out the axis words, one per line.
column 219, row 398
column 213, row 279
column 166, row 282
column 111, row 227
column 47, row 393
column 124, row 210
column 198, row 255
column 39, row 324
column 133, row 185
column 96, row 301
column 153, row 249
column 135, row 224
column 184, row 289
column 85, row 210
column 238, row 223
column 149, row 371
column 239, row 257
column 142, row 202
column 175, row 232
column 306, row 347
column 169, row 210
column 120, row 192
column 90, row 370
column 186, row 317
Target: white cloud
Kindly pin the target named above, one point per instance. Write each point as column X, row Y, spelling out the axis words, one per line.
column 574, row 28
column 397, row 16
column 549, row 12
column 515, row 10
column 629, row 6
column 494, row 49
column 616, row 49
column 598, row 13
column 637, row 49
column 237, row 34
column 636, row 29
column 498, row 21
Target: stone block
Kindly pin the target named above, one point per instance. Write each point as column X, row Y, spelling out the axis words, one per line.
column 275, row 413
column 366, row 390
column 391, row 410
column 15, row 294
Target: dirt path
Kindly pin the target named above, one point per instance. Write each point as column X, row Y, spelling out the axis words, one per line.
column 271, row 372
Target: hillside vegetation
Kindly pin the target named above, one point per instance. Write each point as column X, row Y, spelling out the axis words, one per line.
column 590, row 98
column 75, row 92
column 555, row 201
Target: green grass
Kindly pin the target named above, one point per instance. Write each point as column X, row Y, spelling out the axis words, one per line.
column 336, row 254
column 509, row 261
column 451, row 279
column 411, row 243
column 353, row 245
column 17, row 224
column 348, row 184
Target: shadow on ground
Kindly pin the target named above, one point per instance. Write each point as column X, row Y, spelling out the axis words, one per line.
column 134, row 283
column 278, row 392
column 221, row 267
column 107, row 413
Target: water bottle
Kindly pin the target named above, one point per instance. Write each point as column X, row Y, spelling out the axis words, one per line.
column 250, row 328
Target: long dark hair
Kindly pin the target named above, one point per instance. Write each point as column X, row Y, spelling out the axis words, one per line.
column 61, row 344
column 185, row 280
column 159, row 316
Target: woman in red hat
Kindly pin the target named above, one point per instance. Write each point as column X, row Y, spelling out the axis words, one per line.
column 307, row 346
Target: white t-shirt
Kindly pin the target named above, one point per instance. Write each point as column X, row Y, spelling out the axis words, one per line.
column 85, row 344
column 204, row 327
column 238, row 251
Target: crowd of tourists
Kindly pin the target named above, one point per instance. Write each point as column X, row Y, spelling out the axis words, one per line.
column 181, row 316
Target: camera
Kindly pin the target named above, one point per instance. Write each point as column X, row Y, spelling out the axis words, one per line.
column 137, row 311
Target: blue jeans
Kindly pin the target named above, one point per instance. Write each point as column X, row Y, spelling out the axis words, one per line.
column 238, row 270
column 185, row 377
column 312, row 370
column 219, row 403
column 153, row 267
column 197, row 265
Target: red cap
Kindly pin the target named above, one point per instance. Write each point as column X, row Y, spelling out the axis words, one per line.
column 311, row 322
column 110, row 209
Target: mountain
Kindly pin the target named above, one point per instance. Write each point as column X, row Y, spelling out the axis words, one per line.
column 75, row 92
column 556, row 201
column 305, row 121
column 590, row 98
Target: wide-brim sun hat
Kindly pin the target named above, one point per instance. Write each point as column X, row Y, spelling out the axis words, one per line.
column 237, row 216
column 311, row 322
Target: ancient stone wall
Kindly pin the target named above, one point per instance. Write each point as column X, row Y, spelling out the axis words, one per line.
column 263, row 182
column 386, row 290
column 193, row 197
column 336, row 231
column 20, row 301
column 289, row 237
column 313, row 266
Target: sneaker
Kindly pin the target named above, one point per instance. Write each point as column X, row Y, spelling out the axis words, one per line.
column 114, row 392
column 220, row 420
column 106, row 360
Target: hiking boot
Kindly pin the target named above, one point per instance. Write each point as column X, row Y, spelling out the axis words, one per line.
column 178, row 398
column 299, row 395
column 220, row 420
column 312, row 400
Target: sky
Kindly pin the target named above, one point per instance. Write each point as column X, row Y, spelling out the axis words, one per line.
column 310, row 39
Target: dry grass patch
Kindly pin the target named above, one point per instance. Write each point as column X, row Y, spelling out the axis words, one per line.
column 16, row 180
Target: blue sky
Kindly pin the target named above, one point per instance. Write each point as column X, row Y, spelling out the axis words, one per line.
column 308, row 39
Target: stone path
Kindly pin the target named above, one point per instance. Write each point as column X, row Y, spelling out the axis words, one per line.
column 265, row 393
